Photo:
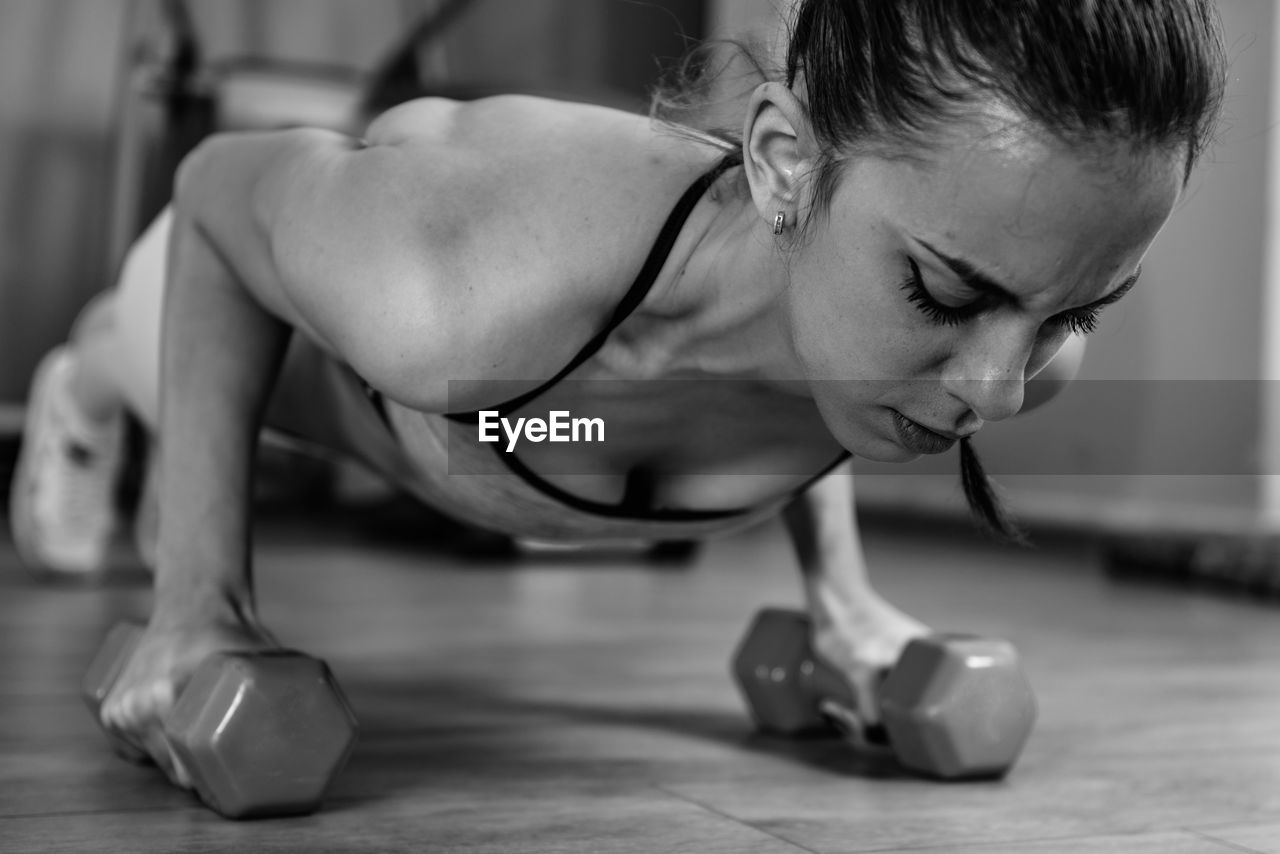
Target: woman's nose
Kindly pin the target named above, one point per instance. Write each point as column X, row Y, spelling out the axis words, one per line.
column 990, row 378
column 994, row 399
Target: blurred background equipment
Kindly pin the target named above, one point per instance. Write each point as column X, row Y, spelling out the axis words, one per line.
column 99, row 99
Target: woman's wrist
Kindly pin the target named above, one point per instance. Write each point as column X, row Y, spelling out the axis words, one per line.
column 179, row 604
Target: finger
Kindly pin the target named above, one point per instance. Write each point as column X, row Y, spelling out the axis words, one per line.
column 853, row 727
column 137, row 717
column 845, row 719
column 181, row 777
column 168, row 762
column 173, row 767
column 137, row 708
column 113, row 720
column 866, row 687
column 158, row 748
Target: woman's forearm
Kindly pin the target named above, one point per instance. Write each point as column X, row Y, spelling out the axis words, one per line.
column 221, row 352
column 824, row 532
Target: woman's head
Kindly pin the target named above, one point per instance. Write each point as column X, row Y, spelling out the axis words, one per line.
column 936, row 285
column 988, row 173
column 967, row 183
column 892, row 75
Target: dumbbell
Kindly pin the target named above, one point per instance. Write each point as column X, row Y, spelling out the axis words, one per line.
column 953, row 706
column 260, row 734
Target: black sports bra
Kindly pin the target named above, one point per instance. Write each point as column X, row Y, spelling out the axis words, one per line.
column 636, row 502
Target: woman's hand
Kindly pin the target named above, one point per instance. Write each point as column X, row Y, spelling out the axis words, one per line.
column 855, row 630
column 862, row 640
column 162, row 663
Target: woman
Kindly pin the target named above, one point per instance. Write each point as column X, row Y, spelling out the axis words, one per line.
column 913, row 222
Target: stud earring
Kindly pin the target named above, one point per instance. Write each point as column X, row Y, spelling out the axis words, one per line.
column 780, row 222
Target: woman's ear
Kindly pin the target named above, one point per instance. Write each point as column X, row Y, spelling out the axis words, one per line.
column 778, row 151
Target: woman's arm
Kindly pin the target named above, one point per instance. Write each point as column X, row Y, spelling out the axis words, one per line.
column 303, row 230
column 854, row 628
column 220, row 355
column 244, row 210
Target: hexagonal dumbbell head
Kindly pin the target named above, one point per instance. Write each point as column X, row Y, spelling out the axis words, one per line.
column 102, row 674
column 781, row 679
column 262, row 733
column 958, row 706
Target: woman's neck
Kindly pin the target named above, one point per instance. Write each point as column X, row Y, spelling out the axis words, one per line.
column 723, row 297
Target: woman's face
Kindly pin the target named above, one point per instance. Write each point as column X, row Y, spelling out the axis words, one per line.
column 935, row 288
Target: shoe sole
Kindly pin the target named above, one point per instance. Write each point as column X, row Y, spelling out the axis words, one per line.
column 22, row 514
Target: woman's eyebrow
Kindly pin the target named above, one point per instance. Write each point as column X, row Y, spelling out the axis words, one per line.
column 974, row 278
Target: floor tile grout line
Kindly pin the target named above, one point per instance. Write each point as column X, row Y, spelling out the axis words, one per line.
column 722, row 814
column 1232, row 845
column 79, row 813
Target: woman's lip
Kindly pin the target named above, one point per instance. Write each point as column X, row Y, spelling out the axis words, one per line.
column 918, row 438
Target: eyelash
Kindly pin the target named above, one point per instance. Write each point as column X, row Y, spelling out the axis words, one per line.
column 945, row 315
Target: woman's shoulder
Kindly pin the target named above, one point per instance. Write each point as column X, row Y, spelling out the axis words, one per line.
column 528, row 141
column 511, row 123
column 550, row 209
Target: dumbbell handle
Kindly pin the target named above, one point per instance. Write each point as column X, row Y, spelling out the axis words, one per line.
column 825, row 687
column 821, row 683
column 821, row 695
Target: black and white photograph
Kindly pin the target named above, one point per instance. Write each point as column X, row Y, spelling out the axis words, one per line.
column 610, row 426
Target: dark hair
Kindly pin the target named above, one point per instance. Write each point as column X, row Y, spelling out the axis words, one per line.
column 889, row 73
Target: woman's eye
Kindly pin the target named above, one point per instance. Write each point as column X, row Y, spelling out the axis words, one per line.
column 919, row 296
column 1080, row 324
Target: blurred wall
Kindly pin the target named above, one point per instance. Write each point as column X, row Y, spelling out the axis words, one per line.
column 64, row 63
column 739, row 18
column 342, row 33
column 62, row 69
column 608, row 51
column 58, row 70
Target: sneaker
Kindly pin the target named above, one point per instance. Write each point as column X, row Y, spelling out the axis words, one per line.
column 62, row 507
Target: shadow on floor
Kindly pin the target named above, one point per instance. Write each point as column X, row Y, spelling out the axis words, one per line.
column 431, row 729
